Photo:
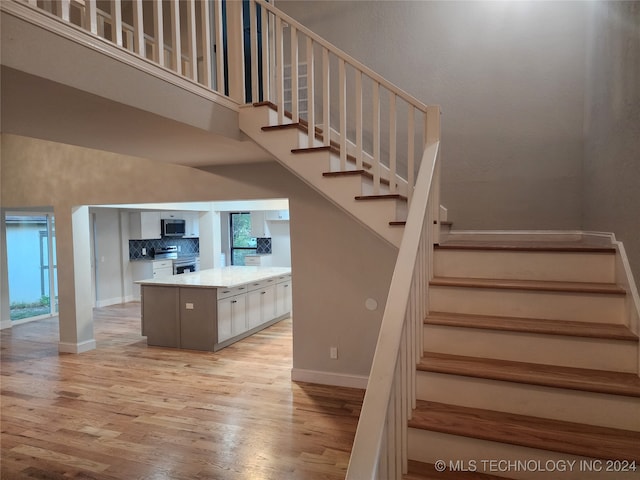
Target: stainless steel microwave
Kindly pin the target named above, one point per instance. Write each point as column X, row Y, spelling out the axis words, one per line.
column 172, row 227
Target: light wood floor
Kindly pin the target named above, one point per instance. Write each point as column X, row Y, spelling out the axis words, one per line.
column 129, row 411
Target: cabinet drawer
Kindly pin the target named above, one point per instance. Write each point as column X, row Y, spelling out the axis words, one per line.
column 162, row 264
column 256, row 285
column 230, row 292
column 251, row 260
column 283, row 278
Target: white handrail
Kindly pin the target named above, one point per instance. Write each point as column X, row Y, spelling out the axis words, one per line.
column 380, row 445
column 399, row 341
column 344, row 56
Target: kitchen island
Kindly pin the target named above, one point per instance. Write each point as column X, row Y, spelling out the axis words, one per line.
column 211, row 309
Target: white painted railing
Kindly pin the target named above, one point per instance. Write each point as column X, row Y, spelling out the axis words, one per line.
column 340, row 101
column 366, row 113
column 380, row 446
column 251, row 52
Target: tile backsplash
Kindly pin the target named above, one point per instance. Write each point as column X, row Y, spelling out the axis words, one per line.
column 263, row 245
column 187, row 246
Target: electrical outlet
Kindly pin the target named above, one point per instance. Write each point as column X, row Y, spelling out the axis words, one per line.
column 144, row 252
column 188, row 306
column 333, row 353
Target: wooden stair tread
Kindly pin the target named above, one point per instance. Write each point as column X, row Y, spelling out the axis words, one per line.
column 427, row 471
column 330, row 148
column 584, row 379
column 537, row 285
column 533, row 325
column 363, row 173
column 393, row 196
column 522, row 246
column 534, row 432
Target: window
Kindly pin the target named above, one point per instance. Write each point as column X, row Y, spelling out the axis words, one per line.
column 31, row 262
column 242, row 243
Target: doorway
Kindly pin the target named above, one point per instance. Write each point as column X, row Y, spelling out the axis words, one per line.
column 31, row 266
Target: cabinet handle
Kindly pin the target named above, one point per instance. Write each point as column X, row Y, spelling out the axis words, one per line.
column 234, row 301
column 241, row 288
column 262, row 293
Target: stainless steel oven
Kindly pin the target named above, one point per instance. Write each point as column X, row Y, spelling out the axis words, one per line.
column 184, row 265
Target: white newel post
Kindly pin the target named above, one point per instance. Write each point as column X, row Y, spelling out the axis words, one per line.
column 235, row 45
column 74, row 279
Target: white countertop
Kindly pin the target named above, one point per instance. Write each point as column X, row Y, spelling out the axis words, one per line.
column 227, row 277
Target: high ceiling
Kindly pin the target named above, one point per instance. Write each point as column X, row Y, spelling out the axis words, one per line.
column 36, row 107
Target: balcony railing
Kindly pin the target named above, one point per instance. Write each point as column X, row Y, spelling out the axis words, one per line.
column 249, row 51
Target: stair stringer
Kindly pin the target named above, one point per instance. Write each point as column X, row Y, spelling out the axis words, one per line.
column 341, row 190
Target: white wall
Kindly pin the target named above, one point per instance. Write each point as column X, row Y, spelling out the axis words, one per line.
column 509, row 77
column 108, row 256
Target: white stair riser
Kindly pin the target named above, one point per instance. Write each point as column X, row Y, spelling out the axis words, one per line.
column 553, row 266
column 579, row 352
column 427, row 446
column 310, row 167
column 614, row 411
column 585, row 307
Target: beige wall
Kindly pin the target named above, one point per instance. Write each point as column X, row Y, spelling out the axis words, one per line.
column 612, row 125
column 509, row 77
column 337, row 264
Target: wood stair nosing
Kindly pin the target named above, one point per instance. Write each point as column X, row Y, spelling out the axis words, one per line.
column 303, row 125
column 609, row 331
column 526, row 431
column 427, row 471
column 330, row 148
column 363, row 173
column 392, row 196
column 533, row 285
column 571, row 378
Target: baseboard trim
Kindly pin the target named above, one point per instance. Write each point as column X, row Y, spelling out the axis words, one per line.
column 110, row 301
column 329, row 378
column 66, row 347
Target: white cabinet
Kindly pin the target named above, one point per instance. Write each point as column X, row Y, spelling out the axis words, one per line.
column 259, row 225
column 192, row 224
column 145, row 269
column 261, row 305
column 278, row 215
column 249, row 306
column 257, row 260
column 232, row 319
column 162, row 268
column 283, row 296
column 144, row 225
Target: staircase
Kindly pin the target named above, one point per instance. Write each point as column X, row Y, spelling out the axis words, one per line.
column 527, row 357
column 319, row 165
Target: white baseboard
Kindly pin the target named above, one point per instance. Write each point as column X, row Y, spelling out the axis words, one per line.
column 66, row 347
column 5, row 324
column 329, row 378
column 110, row 301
